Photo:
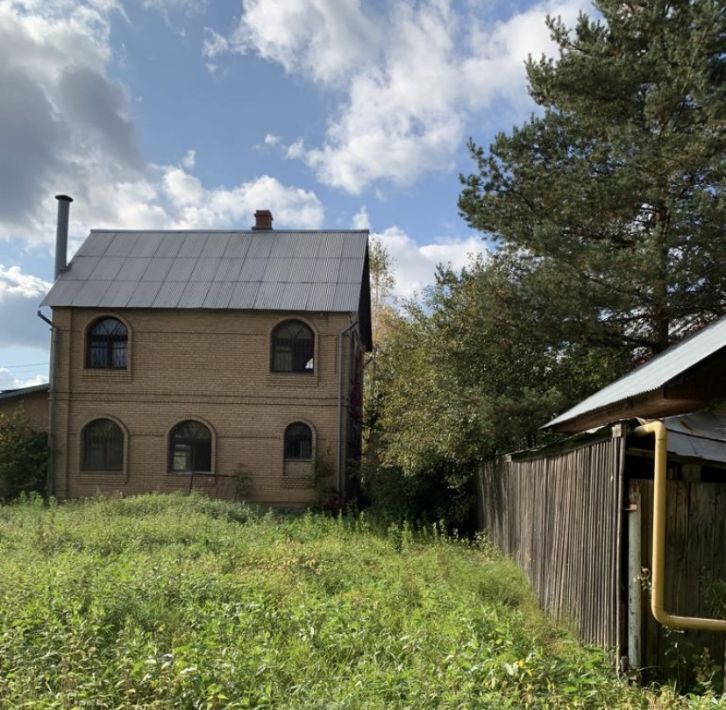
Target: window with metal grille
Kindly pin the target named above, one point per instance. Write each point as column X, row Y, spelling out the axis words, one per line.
column 107, row 345
column 103, row 446
column 190, row 448
column 293, row 348
column 298, row 441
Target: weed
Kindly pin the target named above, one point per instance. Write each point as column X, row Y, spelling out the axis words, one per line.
column 182, row 601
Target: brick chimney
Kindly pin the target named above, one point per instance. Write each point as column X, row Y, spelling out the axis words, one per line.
column 263, row 221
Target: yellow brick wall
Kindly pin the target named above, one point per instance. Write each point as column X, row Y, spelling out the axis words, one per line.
column 34, row 405
column 208, row 365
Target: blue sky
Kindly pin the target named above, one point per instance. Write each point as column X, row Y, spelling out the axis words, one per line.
column 192, row 114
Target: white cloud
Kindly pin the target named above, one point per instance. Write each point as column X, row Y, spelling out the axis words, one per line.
column 8, row 381
column 190, row 158
column 414, row 265
column 271, row 139
column 65, row 123
column 324, row 38
column 197, row 207
column 173, row 11
column 15, row 284
column 20, row 295
column 296, row 150
column 165, row 6
column 414, row 76
column 66, row 128
column 361, row 220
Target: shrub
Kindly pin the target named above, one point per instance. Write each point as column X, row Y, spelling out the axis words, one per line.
column 23, row 457
column 242, row 478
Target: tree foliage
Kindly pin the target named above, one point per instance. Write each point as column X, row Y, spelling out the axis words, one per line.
column 471, row 370
column 382, row 284
column 23, row 457
column 619, row 180
column 606, row 208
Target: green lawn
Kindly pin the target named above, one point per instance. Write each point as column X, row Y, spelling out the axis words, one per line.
column 172, row 601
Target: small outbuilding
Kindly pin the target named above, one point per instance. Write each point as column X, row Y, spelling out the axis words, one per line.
column 31, row 401
column 580, row 516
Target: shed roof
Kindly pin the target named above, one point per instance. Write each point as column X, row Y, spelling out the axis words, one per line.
column 696, row 435
column 699, row 435
column 656, row 373
column 259, row 270
column 23, row 391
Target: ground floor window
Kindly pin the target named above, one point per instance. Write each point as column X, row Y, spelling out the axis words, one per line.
column 190, row 447
column 298, row 442
column 102, row 446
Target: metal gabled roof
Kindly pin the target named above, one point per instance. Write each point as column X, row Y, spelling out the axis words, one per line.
column 257, row 270
column 654, row 374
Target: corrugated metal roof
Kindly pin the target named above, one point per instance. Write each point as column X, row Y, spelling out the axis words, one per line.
column 656, row 372
column 271, row 270
column 699, row 435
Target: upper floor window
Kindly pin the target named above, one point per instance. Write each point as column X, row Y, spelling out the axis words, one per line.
column 293, row 347
column 298, row 441
column 107, row 345
column 102, row 446
column 190, row 447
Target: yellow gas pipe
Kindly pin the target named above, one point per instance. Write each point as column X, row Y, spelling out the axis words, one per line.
column 659, row 526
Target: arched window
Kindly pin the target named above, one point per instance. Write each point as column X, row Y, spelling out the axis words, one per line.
column 293, row 347
column 102, row 446
column 298, row 441
column 190, row 447
column 107, row 344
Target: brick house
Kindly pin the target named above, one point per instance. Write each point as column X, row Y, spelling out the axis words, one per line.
column 179, row 356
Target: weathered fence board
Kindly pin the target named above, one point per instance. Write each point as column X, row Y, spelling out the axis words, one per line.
column 557, row 516
column 695, row 560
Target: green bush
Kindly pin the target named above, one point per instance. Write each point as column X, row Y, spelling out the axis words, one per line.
column 431, row 496
column 23, row 457
column 242, row 479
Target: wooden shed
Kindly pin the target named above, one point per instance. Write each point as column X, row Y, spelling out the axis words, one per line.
column 577, row 516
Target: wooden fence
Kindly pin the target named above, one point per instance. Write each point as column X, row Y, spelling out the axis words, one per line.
column 559, row 517
column 695, row 561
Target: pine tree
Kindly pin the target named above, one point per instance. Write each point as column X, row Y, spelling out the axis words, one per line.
column 615, row 187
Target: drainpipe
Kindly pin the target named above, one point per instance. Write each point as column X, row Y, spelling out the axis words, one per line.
column 635, row 590
column 341, row 384
column 657, row 603
column 61, row 264
column 49, row 484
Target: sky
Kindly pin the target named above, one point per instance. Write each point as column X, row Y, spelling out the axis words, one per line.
column 179, row 114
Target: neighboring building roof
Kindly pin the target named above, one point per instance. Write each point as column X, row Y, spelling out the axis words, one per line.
column 23, row 391
column 700, row 435
column 258, row 270
column 658, row 372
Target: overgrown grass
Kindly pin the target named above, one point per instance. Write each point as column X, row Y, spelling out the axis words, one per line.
column 172, row 601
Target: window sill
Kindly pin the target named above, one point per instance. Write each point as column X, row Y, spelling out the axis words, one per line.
column 296, row 379
column 93, row 373
column 98, row 472
column 191, row 473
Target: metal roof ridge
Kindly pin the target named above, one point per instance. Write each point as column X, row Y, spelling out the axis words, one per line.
column 232, row 231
